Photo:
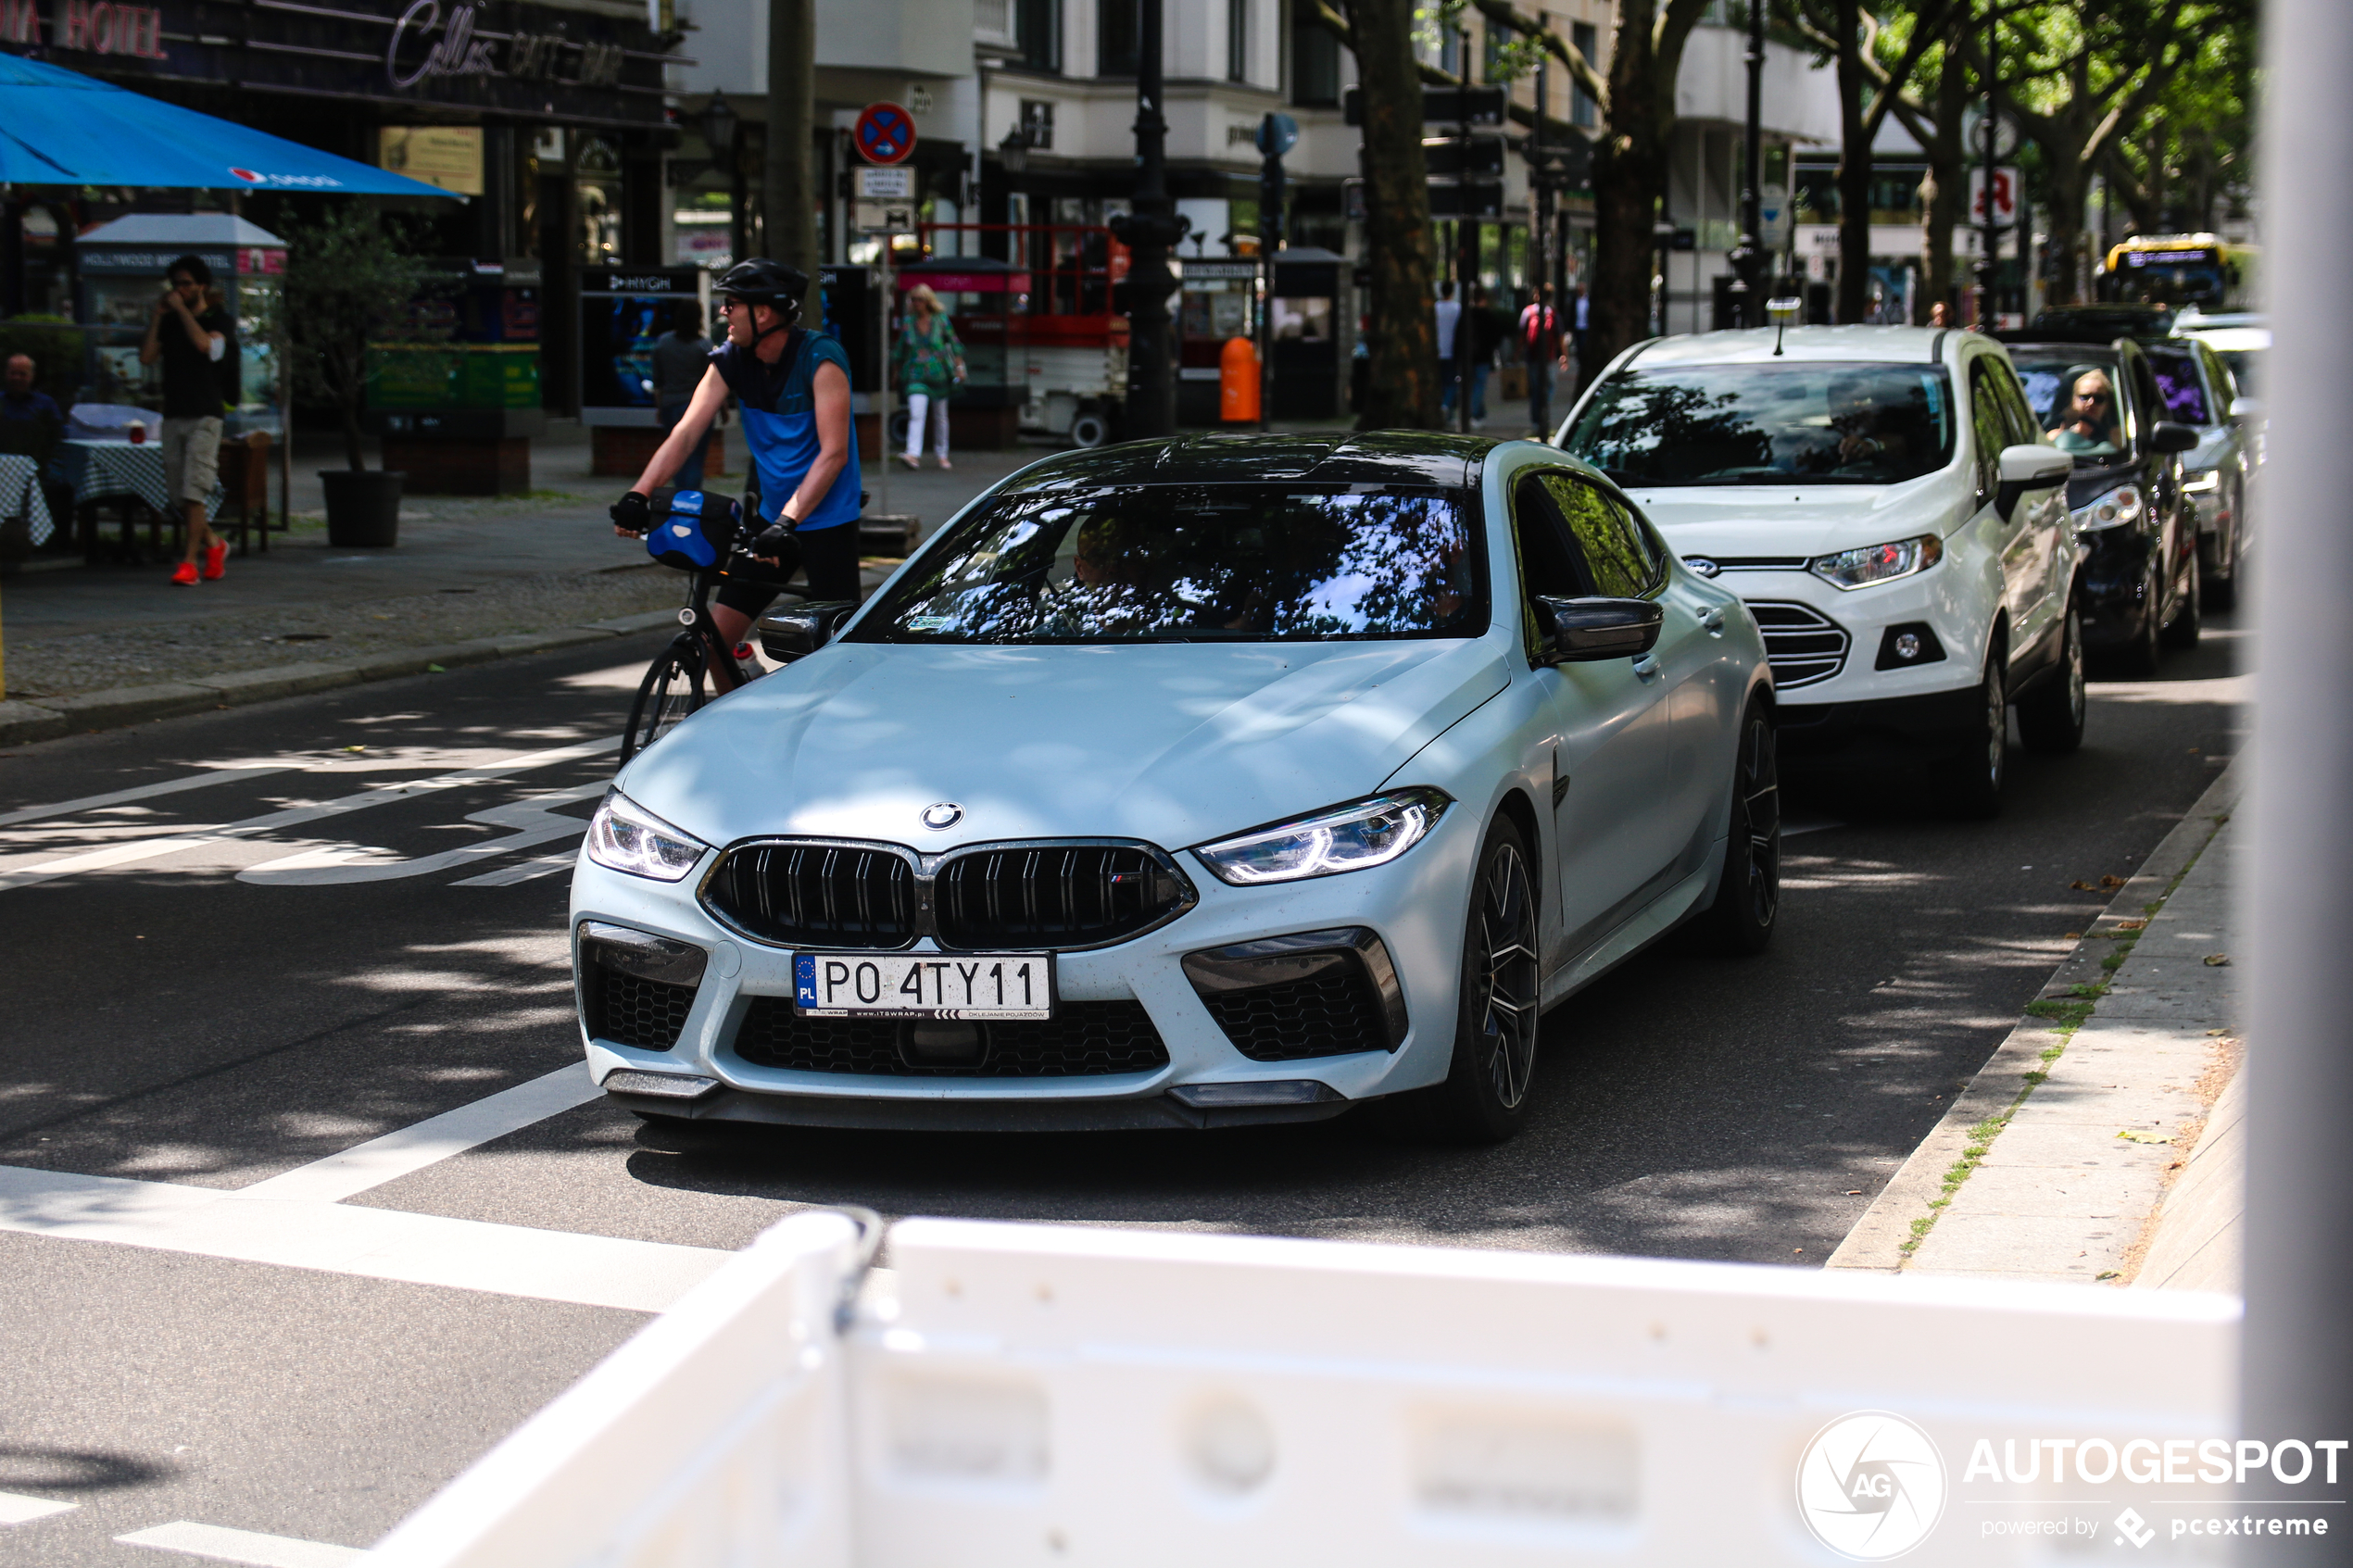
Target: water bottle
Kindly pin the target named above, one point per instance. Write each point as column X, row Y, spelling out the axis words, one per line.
column 748, row 665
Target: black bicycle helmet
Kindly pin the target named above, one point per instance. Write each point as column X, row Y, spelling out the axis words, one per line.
column 762, row 281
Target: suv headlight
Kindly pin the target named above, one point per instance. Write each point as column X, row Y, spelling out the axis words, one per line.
column 2114, row 509
column 1877, row 563
column 1343, row 838
column 624, row 836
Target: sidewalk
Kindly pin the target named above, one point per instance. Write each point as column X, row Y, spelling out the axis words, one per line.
column 468, row 571
column 2103, row 1141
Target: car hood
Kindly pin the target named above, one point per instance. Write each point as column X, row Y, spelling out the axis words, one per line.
column 1799, row 520
column 1171, row 743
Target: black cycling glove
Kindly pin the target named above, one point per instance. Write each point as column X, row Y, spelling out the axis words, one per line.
column 775, row 539
column 633, row 512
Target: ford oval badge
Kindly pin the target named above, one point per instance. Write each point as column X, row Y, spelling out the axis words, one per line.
column 944, row 815
column 1702, row 565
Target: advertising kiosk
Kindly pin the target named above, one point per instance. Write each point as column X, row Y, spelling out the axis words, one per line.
column 122, row 265
column 458, row 411
column 1306, row 319
column 1219, row 302
column 623, row 311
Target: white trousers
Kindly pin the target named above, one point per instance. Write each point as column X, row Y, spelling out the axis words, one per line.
column 918, row 405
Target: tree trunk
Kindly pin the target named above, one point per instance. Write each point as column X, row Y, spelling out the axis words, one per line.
column 2065, row 185
column 1402, row 379
column 1630, row 165
column 789, row 183
column 1944, row 193
column 1854, row 171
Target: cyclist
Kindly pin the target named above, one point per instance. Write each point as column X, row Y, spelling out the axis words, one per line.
column 792, row 383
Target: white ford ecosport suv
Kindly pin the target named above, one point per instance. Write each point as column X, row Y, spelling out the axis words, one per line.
column 1885, row 503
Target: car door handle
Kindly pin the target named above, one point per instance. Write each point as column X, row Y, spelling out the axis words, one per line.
column 1646, row 666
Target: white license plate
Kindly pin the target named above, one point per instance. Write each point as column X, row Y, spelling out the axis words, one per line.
column 978, row 986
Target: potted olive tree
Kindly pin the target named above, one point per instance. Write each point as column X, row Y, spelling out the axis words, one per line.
column 351, row 281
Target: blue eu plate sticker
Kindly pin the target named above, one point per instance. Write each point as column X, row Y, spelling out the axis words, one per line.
column 804, row 979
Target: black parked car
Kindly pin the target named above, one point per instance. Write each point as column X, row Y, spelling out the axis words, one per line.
column 2138, row 593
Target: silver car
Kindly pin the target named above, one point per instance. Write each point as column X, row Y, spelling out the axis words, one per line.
column 2217, row 473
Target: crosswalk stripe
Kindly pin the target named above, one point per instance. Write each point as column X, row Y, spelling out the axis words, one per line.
column 223, row 1545
column 18, row 1508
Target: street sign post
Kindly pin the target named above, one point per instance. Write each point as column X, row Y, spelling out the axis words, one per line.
column 886, row 134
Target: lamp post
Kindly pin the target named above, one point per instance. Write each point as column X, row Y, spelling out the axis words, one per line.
column 1747, row 256
column 1149, row 231
column 719, row 127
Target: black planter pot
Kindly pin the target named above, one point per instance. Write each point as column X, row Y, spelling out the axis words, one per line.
column 363, row 508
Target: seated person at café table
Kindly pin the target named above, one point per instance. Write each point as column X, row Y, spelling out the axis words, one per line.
column 31, row 422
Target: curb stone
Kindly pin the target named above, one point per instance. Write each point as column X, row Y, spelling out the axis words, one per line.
column 23, row 722
column 1876, row 1242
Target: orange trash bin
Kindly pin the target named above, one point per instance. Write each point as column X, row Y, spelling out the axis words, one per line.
column 1238, row 381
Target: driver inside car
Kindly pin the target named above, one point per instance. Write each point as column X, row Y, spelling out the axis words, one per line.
column 1864, row 429
column 2091, row 422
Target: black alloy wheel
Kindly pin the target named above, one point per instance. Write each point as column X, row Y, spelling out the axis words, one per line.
column 2051, row 720
column 1484, row 1099
column 2139, row 659
column 672, row 690
column 1748, row 891
column 1975, row 776
column 2182, row 632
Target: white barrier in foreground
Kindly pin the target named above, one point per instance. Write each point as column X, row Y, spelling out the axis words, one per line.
column 1030, row 1394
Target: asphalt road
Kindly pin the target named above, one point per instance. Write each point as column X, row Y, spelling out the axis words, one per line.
column 215, row 987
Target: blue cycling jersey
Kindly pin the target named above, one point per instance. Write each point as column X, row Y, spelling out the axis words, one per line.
column 780, row 423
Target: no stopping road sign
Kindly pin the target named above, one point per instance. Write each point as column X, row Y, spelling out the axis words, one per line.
column 886, row 134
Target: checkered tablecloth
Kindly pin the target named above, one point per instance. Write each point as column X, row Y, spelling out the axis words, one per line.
column 100, row 469
column 20, row 496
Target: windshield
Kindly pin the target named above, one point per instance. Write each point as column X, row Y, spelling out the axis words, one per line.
column 2072, row 392
column 1768, row 424
column 2178, row 386
column 1170, row 563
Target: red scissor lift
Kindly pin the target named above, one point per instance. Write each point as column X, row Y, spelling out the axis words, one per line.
column 1043, row 299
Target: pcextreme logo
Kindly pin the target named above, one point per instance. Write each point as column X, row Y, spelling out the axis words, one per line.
column 1871, row 1486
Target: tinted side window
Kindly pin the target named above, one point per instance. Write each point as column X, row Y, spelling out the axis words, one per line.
column 1547, row 564
column 2023, row 430
column 1618, row 560
column 1988, row 426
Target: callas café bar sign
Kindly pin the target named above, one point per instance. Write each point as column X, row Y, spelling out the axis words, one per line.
column 506, row 56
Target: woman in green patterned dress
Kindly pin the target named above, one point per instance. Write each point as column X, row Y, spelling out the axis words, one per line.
column 928, row 361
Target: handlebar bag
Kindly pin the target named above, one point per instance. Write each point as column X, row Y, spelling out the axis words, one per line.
column 698, row 528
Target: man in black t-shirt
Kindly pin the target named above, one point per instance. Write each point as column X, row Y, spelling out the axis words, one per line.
column 189, row 333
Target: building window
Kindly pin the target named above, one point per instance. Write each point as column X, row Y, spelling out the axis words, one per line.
column 1315, row 63
column 1582, row 110
column 1492, row 66
column 1037, row 119
column 1117, row 34
column 1040, row 24
column 1238, row 40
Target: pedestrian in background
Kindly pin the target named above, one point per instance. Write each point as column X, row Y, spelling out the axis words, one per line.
column 1940, row 314
column 1450, row 315
column 682, row 358
column 198, row 359
column 1484, row 328
column 1540, row 337
column 930, row 363
column 1580, row 327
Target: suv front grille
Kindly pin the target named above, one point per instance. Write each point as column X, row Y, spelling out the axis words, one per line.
column 816, row 895
column 1332, row 1013
column 1053, row 896
column 1084, row 1039
column 1804, row 646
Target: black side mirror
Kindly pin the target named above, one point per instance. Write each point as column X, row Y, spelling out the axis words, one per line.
column 800, row 629
column 2170, row 436
column 1584, row 631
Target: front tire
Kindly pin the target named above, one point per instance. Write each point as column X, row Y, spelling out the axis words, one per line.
column 1973, row 785
column 1484, row 1099
column 1748, row 891
column 2051, row 720
column 672, row 690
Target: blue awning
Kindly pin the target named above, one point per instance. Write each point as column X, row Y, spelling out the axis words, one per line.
column 58, row 127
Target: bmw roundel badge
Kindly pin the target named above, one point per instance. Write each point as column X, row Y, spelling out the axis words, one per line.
column 944, row 815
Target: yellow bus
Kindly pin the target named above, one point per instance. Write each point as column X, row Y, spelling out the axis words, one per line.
column 2180, row 269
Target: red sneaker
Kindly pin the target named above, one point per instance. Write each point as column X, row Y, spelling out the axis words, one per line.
column 186, row 575
column 215, row 560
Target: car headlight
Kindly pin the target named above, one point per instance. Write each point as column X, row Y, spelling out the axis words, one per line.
column 624, row 836
column 1877, row 563
column 2204, row 484
column 2114, row 509
column 1343, row 839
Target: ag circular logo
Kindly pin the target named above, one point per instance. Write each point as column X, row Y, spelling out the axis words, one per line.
column 945, row 815
column 1870, row 1485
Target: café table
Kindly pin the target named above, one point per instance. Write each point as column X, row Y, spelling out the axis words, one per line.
column 101, row 471
column 20, row 496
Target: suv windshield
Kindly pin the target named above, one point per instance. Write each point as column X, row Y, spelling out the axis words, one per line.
column 2073, row 394
column 1768, row 424
column 1171, row 563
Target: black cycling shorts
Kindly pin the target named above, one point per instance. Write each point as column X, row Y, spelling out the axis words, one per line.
column 828, row 561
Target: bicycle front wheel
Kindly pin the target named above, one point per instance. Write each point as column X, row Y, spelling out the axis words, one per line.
column 673, row 687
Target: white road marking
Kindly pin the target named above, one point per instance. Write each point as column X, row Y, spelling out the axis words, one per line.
column 596, row 1271
column 244, row 1545
column 18, row 1508
column 526, row 871
column 327, row 864
column 431, row 1141
column 184, row 837
column 145, row 792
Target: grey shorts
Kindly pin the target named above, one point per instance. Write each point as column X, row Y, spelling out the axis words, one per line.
column 190, row 458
